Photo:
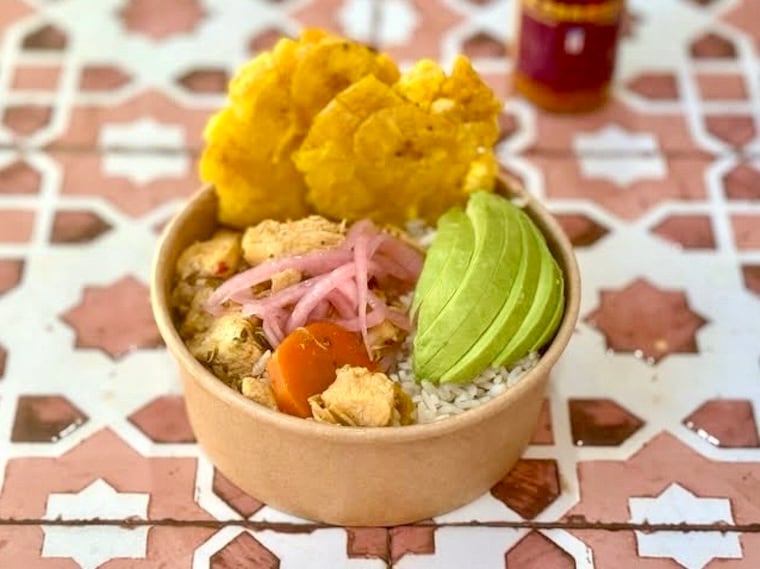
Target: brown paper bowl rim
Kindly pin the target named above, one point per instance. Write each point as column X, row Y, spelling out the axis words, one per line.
column 550, row 228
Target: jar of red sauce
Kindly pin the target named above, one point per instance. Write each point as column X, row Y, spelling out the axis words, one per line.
column 566, row 52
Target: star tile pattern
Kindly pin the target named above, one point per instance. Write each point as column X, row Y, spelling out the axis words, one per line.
column 651, row 414
column 94, row 546
column 689, row 550
column 646, row 320
column 115, row 318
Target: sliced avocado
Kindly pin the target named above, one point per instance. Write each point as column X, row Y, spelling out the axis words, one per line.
column 452, row 247
column 556, row 319
column 512, row 314
column 444, row 338
column 541, row 315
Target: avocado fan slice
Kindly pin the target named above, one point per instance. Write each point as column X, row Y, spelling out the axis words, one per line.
column 444, row 338
column 452, row 247
column 518, row 301
column 541, row 315
column 556, row 319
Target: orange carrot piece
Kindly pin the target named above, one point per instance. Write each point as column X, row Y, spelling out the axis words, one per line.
column 304, row 363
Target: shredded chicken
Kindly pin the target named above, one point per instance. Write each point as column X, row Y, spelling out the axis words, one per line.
column 258, row 389
column 361, row 398
column 200, row 269
column 186, row 291
column 229, row 347
column 272, row 239
column 197, row 319
column 383, row 338
column 217, row 257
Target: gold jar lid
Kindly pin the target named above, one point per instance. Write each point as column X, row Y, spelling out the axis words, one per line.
column 603, row 12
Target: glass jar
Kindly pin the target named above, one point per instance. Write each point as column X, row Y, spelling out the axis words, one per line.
column 566, row 52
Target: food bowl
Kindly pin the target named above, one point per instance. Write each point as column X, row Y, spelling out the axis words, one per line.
column 353, row 475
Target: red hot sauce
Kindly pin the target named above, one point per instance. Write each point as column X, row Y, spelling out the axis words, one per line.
column 566, row 52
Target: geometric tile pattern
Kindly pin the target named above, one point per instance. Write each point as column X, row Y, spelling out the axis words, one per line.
column 688, row 231
column 114, row 318
column 647, row 321
column 246, row 551
column 44, row 419
column 725, row 423
column 536, row 551
column 164, row 420
column 601, row 422
column 651, row 414
column 580, row 229
column 143, row 17
column 751, row 275
column 529, row 487
column 544, row 433
column 77, row 227
column 688, row 550
column 3, row 361
column 239, row 501
column 11, row 271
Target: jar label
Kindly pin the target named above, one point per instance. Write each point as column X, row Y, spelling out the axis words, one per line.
column 567, row 55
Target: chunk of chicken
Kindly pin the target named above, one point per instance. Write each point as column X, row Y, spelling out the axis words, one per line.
column 361, row 398
column 185, row 292
column 284, row 279
column 217, row 257
column 197, row 319
column 229, row 347
column 258, row 389
column 272, row 239
column 384, row 338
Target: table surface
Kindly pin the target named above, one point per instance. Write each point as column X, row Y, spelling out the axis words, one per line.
column 651, row 415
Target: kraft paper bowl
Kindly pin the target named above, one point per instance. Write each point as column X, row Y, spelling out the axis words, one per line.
column 349, row 475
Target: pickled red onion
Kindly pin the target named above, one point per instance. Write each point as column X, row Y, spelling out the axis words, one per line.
column 337, row 287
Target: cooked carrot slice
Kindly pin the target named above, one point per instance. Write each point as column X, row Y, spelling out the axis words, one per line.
column 304, row 363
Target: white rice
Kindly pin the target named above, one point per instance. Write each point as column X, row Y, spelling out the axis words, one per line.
column 260, row 365
column 422, row 233
column 438, row 402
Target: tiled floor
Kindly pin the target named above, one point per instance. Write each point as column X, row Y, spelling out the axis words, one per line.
column 647, row 455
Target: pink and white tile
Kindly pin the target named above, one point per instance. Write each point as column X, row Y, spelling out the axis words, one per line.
column 652, row 413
